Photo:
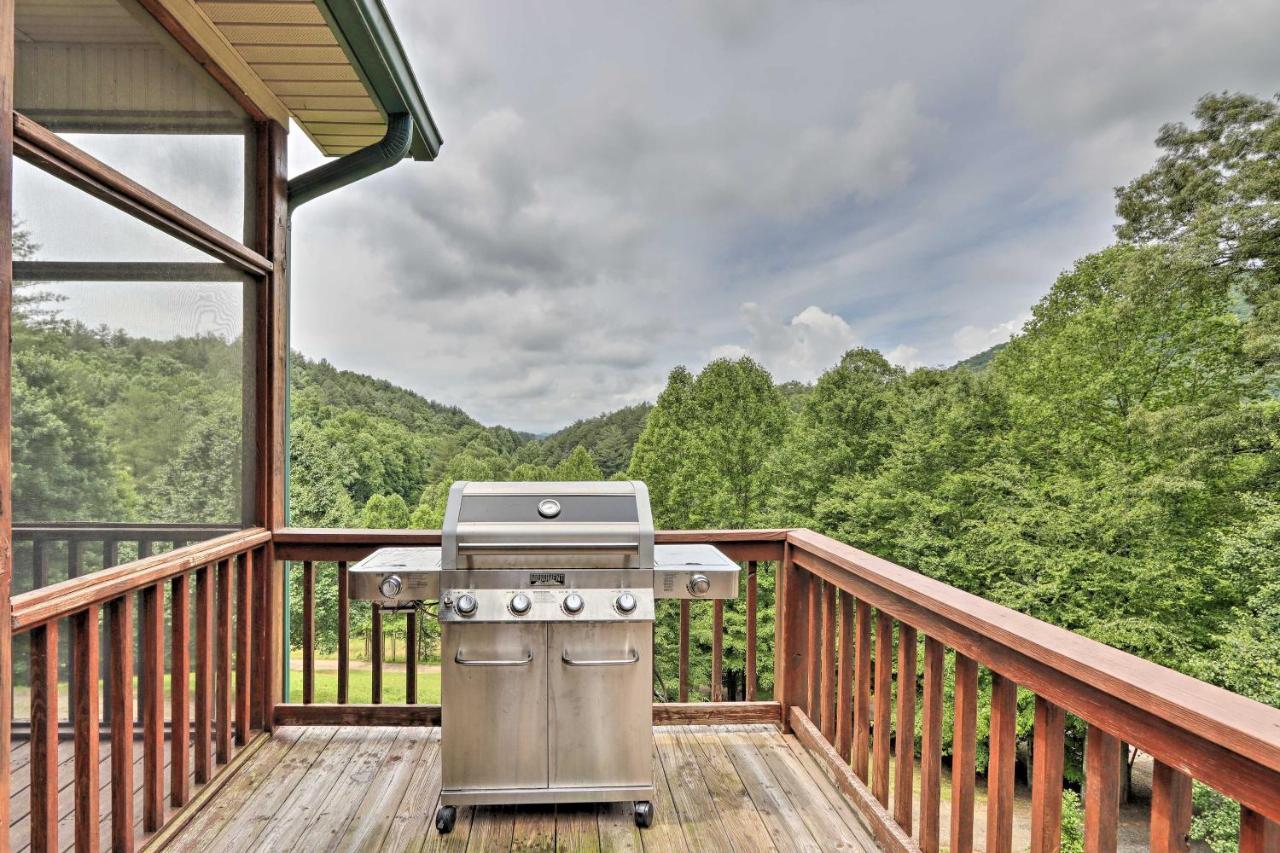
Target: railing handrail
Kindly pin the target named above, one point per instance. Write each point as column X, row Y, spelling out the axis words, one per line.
column 117, row 526
column 1221, row 738
column 320, row 543
column 67, row 597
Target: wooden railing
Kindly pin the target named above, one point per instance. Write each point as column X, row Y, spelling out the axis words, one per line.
column 322, row 551
column 836, row 686
column 201, row 728
column 848, row 683
column 46, row 552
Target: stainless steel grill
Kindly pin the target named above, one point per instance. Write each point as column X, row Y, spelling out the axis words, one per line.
column 546, row 597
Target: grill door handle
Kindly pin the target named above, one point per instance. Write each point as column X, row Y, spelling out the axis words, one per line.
column 461, row 661
column 465, row 547
column 635, row 658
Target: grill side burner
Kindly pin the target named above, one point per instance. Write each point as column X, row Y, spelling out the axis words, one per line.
column 547, row 595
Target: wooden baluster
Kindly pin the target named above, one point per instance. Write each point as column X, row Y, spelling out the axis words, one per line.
column 813, row 650
column 1170, row 809
column 827, row 689
column 411, row 657
column 753, row 600
column 793, row 680
column 145, row 547
column 204, row 675
column 179, row 689
column 1101, row 790
column 75, row 557
column 74, row 560
column 963, row 748
column 1257, row 834
column 904, row 742
column 717, row 651
column 120, row 629
column 110, row 553
column 244, row 647
column 862, row 690
column 39, row 564
column 260, row 653
column 931, row 748
column 377, row 654
column 222, row 715
column 1001, row 762
column 884, row 707
column 84, row 688
column 44, row 737
column 1046, row 779
column 684, row 650
column 344, row 632
column 152, row 707
column 844, row 689
column 309, row 632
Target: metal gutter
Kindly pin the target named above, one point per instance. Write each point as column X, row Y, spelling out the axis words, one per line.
column 367, row 36
column 386, row 152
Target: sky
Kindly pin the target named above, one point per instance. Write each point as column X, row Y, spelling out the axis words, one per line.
column 628, row 187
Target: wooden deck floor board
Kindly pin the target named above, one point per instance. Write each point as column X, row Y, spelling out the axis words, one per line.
column 723, row 788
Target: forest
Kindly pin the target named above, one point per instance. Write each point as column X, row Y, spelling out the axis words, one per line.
column 1114, row 468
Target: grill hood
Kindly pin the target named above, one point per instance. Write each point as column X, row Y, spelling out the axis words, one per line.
column 589, row 525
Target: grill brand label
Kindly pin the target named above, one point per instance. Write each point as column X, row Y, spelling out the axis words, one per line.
column 546, row 578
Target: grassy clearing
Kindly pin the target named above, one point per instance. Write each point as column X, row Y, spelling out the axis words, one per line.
column 360, row 688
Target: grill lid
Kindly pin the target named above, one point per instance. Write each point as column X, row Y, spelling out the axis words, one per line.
column 591, row 525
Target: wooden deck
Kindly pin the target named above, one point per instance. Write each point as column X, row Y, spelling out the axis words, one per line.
column 324, row 788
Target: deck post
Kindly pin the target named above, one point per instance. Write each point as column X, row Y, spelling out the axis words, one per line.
column 6, row 397
column 271, row 354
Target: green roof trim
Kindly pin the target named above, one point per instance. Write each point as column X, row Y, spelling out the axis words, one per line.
column 365, row 32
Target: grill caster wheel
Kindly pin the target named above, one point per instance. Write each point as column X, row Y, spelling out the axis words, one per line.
column 644, row 814
column 445, row 818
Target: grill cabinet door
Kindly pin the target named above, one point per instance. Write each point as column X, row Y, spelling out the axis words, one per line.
column 494, row 707
column 601, row 705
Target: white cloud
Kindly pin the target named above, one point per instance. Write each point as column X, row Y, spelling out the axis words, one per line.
column 971, row 340
column 905, row 356
column 800, row 348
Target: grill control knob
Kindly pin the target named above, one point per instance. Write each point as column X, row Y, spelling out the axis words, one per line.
column 573, row 604
column 466, row 605
column 625, row 604
column 699, row 585
column 390, row 586
column 520, row 604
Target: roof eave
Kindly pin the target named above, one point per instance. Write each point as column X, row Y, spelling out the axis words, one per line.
column 365, row 32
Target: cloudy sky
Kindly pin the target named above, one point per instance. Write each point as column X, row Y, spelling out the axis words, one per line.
column 626, row 187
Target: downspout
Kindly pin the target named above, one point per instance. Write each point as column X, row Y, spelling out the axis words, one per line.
column 388, row 151
column 383, row 154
